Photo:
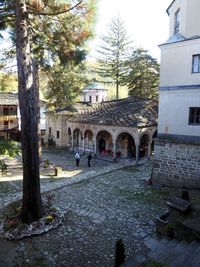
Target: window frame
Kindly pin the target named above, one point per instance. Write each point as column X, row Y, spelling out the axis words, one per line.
column 177, row 21
column 193, row 118
column 193, row 59
column 57, row 134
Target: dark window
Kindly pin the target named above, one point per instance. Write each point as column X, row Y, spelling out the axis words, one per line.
column 5, row 125
column 5, row 111
column 177, row 22
column 195, row 63
column 194, row 116
column 97, row 98
column 49, row 130
column 58, row 134
column 90, row 98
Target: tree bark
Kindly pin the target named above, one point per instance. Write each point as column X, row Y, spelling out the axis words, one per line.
column 32, row 208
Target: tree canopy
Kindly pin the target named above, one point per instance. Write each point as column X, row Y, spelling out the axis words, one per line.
column 39, row 32
column 142, row 76
column 113, row 52
column 58, row 33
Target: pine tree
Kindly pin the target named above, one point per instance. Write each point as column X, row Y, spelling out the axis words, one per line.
column 113, row 52
column 26, row 19
column 142, row 77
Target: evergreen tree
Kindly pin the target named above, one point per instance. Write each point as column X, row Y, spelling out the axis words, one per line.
column 113, row 52
column 25, row 17
column 142, row 77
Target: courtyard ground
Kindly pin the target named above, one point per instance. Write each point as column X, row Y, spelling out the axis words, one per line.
column 101, row 204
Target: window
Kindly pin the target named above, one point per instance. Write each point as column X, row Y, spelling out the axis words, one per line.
column 49, row 130
column 196, row 63
column 97, row 98
column 5, row 125
column 90, row 98
column 194, row 116
column 58, row 134
column 177, row 22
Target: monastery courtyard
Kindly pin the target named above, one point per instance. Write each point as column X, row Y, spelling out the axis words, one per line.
column 101, row 204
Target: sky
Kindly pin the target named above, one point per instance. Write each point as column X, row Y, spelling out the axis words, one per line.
column 146, row 22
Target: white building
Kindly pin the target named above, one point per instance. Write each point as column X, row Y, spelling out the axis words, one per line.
column 177, row 152
column 10, row 119
column 94, row 93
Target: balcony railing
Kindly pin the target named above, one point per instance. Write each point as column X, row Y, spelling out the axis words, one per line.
column 7, row 117
column 8, row 113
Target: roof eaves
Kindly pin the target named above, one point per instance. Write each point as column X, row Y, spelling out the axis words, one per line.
column 170, row 6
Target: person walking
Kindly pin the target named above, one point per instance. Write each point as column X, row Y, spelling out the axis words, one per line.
column 89, row 159
column 77, row 158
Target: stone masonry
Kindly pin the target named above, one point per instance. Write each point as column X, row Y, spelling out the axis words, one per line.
column 177, row 164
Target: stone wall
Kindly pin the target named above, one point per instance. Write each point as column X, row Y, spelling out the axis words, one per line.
column 176, row 164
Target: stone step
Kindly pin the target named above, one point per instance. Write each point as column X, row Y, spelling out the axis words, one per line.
column 189, row 254
column 174, row 253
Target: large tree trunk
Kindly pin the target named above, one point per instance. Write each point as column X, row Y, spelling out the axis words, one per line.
column 32, row 208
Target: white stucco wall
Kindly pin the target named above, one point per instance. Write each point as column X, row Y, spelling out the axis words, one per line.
column 176, row 63
column 102, row 95
column 189, row 17
column 174, row 112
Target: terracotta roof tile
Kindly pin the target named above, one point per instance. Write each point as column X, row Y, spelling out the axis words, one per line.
column 129, row 112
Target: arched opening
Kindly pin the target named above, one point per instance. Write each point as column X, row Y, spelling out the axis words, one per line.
column 144, row 144
column 69, row 139
column 88, row 138
column 104, row 144
column 153, row 143
column 77, row 139
column 125, row 146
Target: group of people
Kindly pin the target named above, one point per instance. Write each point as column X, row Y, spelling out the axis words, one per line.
column 77, row 158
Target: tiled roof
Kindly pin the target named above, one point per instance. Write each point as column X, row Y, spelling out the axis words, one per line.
column 8, row 99
column 12, row 99
column 94, row 86
column 128, row 112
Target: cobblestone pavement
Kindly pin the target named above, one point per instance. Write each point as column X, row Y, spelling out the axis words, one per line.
column 98, row 210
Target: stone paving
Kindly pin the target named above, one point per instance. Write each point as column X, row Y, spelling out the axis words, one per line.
column 108, row 202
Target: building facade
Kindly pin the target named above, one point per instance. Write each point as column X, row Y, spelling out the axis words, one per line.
column 177, row 151
column 10, row 119
column 112, row 130
column 94, row 93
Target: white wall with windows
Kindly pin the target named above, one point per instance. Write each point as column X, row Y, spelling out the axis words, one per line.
column 177, row 61
column 188, row 16
column 174, row 112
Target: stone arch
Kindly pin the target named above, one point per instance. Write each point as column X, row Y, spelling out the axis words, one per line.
column 125, row 146
column 88, row 140
column 144, row 145
column 77, row 138
column 104, row 144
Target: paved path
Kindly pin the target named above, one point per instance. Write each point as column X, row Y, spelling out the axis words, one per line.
column 100, row 207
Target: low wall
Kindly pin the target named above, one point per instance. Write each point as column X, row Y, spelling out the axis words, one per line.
column 176, row 164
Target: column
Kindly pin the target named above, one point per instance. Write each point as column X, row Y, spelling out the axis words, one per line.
column 83, row 144
column 114, row 150
column 72, row 140
column 149, row 151
column 95, row 145
column 137, row 155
